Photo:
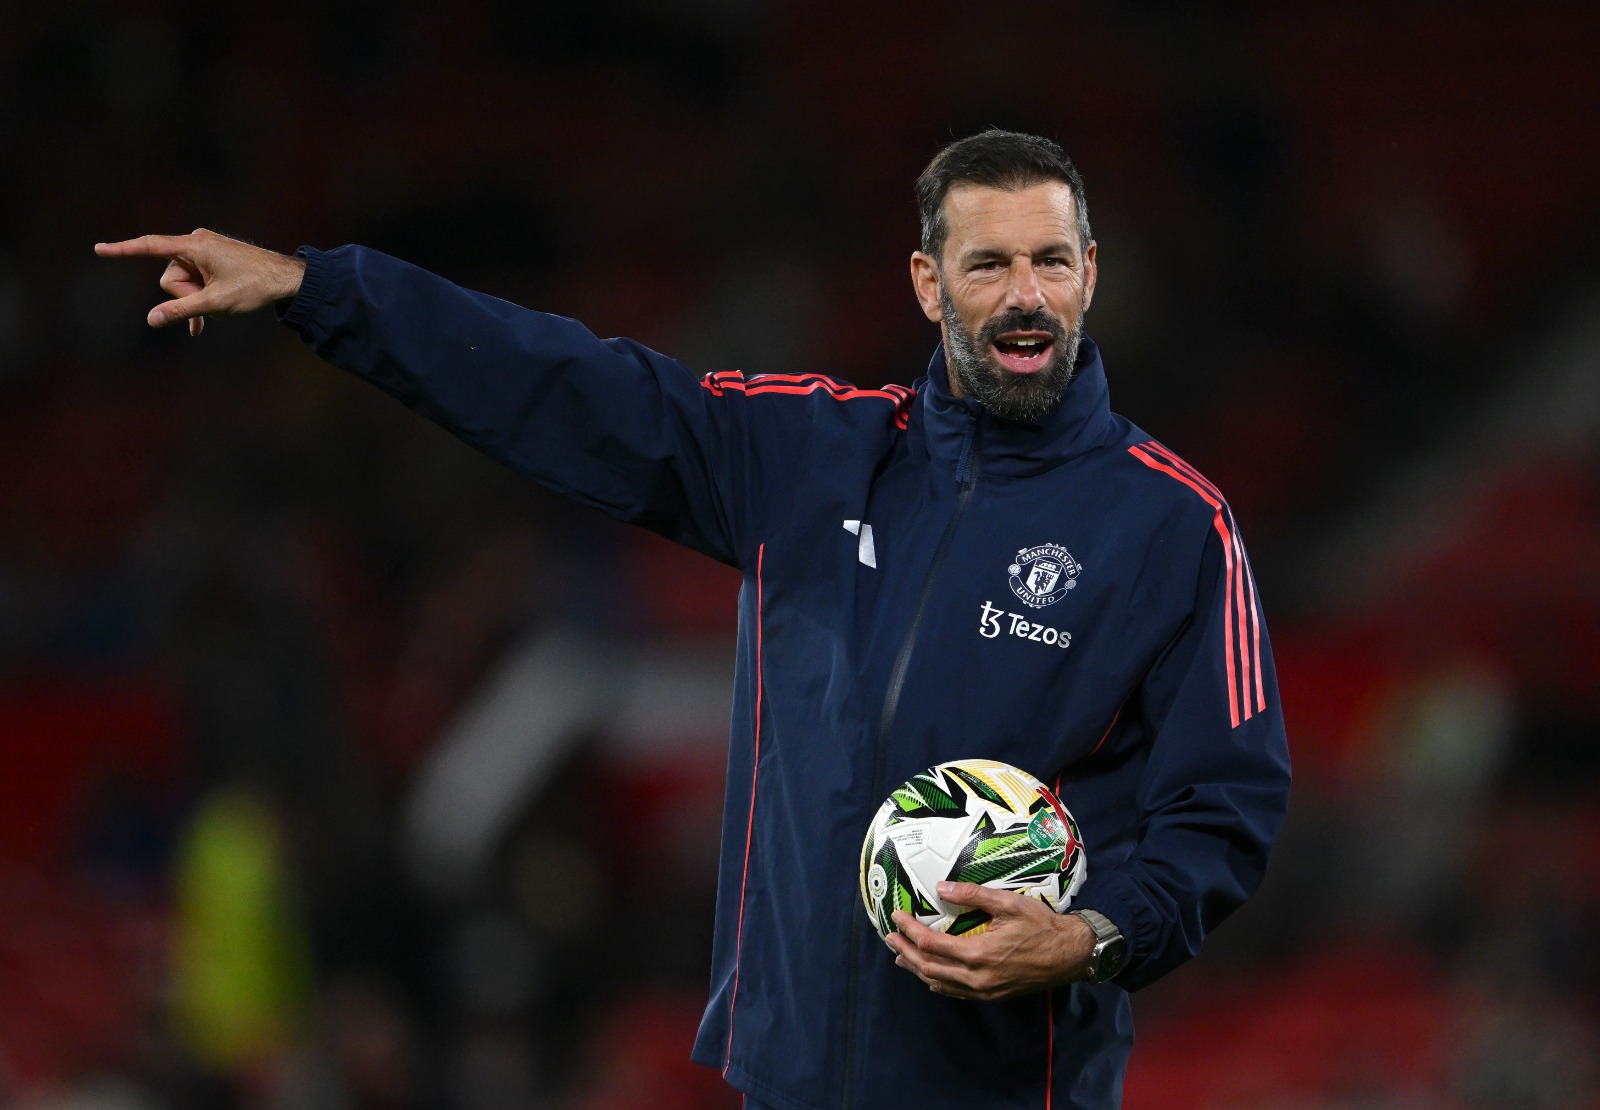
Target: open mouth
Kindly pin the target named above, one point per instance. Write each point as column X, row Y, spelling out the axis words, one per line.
column 1023, row 352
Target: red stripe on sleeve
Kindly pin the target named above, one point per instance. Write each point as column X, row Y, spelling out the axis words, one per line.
column 1255, row 625
column 1221, row 526
column 1251, row 645
column 1244, row 642
column 804, row 384
column 1188, row 468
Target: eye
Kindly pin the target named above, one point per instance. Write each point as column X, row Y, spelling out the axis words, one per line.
column 1055, row 262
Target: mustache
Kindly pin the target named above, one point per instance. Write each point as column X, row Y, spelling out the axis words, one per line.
column 1038, row 320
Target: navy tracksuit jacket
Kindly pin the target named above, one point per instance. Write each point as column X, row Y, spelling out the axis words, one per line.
column 922, row 582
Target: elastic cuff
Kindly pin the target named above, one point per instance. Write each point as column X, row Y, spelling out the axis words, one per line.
column 298, row 310
column 1118, row 897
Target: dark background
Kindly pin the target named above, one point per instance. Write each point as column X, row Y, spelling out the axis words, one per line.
column 344, row 769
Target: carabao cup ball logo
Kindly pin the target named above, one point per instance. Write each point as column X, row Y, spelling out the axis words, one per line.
column 1042, row 575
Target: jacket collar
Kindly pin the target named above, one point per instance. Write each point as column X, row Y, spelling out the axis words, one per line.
column 1013, row 449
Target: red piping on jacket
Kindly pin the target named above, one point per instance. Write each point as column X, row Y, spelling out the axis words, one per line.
column 803, row 384
column 750, row 824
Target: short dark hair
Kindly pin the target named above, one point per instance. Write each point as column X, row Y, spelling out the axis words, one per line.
column 999, row 160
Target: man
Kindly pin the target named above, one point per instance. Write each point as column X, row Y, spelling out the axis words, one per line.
column 990, row 564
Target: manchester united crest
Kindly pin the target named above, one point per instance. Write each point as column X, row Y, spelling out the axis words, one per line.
column 1042, row 575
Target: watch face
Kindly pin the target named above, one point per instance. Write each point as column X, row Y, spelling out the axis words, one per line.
column 1112, row 959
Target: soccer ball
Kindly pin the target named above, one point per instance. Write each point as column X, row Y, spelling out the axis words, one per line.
column 968, row 821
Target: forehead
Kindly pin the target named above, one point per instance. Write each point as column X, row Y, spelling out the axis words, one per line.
column 978, row 216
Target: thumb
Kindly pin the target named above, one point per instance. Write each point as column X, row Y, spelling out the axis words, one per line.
column 978, row 897
column 183, row 308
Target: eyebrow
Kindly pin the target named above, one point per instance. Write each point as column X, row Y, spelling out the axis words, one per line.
column 994, row 254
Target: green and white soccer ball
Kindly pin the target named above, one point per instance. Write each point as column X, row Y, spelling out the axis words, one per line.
column 968, row 821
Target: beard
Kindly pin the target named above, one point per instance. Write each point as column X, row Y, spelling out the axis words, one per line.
column 1009, row 395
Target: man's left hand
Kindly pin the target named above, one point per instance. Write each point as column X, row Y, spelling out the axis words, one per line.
column 1028, row 946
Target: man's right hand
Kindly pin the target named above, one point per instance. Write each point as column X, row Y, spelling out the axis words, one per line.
column 211, row 275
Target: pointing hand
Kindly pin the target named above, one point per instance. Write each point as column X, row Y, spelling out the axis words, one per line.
column 211, row 275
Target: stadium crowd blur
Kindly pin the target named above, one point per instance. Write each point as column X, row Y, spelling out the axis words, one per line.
column 343, row 769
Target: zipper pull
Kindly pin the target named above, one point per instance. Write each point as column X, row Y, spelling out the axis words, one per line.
column 969, row 448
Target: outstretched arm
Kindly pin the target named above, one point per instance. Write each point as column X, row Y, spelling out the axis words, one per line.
column 211, row 275
column 607, row 422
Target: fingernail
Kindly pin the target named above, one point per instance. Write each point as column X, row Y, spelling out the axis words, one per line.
column 157, row 318
column 946, row 889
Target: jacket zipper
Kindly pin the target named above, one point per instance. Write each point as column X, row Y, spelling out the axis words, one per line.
column 967, row 478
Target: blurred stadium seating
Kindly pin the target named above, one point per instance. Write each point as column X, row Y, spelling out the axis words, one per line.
column 1350, row 268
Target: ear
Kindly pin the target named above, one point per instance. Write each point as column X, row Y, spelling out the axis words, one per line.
column 925, row 282
column 1091, row 271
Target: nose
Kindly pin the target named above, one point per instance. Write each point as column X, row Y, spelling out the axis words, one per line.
column 1022, row 290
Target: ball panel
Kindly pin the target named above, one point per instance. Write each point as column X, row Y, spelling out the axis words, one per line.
column 974, row 820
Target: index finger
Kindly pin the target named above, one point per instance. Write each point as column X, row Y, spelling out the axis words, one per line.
column 977, row 897
column 955, row 949
column 145, row 246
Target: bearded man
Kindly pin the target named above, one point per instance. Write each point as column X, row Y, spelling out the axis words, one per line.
column 987, row 564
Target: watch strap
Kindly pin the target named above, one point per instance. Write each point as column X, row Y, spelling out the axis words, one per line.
column 1110, row 947
column 1100, row 924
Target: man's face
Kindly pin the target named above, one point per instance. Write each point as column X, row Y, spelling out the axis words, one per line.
column 1009, row 294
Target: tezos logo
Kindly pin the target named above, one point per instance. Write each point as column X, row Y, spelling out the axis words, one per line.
column 1042, row 575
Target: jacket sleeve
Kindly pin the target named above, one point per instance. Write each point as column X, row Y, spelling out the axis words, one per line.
column 1214, row 791
column 607, row 422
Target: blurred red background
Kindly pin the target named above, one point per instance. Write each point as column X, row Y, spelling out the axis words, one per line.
column 249, row 609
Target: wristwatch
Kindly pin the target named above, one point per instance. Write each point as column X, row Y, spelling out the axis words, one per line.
column 1110, row 953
